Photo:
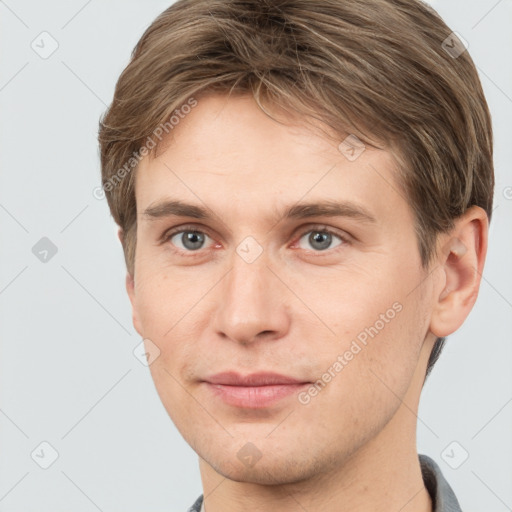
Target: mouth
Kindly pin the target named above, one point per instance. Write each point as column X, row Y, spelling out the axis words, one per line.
column 254, row 391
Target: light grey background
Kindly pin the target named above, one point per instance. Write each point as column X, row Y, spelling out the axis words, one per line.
column 68, row 376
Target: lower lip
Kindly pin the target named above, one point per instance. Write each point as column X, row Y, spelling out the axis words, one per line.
column 254, row 397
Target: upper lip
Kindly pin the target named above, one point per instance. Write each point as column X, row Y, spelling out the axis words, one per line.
column 232, row 378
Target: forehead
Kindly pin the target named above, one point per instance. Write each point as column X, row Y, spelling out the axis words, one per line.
column 228, row 153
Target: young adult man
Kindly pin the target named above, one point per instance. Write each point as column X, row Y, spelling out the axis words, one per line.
column 303, row 191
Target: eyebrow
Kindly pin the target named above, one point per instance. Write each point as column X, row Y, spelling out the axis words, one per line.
column 175, row 208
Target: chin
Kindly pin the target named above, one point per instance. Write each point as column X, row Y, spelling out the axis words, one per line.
column 268, row 470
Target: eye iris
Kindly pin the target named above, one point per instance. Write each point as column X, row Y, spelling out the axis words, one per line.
column 323, row 238
column 192, row 240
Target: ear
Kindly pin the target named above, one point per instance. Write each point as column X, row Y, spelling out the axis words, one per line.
column 130, row 289
column 462, row 260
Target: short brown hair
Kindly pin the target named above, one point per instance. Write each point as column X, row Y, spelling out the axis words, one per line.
column 379, row 69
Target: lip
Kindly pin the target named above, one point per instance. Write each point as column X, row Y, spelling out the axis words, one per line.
column 254, row 391
column 231, row 378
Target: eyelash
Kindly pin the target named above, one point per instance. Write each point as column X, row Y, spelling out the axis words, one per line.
column 314, row 228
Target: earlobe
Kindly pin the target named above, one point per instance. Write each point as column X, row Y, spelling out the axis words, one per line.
column 461, row 262
column 130, row 289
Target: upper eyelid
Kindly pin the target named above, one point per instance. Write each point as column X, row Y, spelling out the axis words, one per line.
column 180, row 229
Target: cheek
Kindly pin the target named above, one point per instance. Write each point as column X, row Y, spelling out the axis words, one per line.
column 163, row 300
column 353, row 302
column 360, row 391
column 380, row 324
column 178, row 401
column 168, row 307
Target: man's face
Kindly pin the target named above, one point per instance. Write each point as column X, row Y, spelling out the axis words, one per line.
column 340, row 301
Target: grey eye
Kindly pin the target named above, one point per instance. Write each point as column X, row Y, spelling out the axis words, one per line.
column 319, row 240
column 189, row 240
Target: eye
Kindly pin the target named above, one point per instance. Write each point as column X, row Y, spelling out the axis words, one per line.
column 320, row 239
column 187, row 240
column 190, row 239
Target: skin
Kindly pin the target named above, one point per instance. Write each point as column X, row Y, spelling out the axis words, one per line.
column 293, row 310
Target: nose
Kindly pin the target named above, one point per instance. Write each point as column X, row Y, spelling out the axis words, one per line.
column 252, row 304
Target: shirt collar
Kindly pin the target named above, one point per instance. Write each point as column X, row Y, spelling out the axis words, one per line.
column 442, row 495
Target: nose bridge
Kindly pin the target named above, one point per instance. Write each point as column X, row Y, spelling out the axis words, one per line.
column 249, row 305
